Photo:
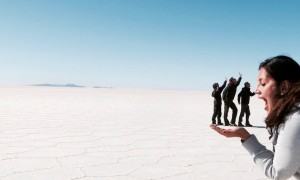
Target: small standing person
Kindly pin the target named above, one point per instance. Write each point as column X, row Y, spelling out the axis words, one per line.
column 244, row 96
column 228, row 96
column 217, row 102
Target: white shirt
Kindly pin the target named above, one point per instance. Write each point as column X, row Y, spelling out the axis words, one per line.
column 285, row 162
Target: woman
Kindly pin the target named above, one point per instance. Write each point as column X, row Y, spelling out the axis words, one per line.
column 279, row 86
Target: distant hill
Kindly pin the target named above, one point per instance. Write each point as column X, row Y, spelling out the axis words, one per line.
column 57, row 85
column 102, row 87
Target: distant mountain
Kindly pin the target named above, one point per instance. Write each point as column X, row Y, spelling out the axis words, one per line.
column 57, row 85
column 102, row 87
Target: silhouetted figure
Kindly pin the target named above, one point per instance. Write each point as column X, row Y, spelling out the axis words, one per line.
column 217, row 102
column 243, row 99
column 228, row 96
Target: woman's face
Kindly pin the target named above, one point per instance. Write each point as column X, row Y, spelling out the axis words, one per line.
column 266, row 89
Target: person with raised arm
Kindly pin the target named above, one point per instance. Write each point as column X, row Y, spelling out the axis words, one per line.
column 217, row 102
column 228, row 96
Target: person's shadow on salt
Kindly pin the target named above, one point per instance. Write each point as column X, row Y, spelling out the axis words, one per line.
column 255, row 126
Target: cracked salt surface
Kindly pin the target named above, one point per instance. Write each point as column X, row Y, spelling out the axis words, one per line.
column 114, row 134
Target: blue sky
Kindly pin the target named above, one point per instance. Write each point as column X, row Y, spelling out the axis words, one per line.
column 156, row 44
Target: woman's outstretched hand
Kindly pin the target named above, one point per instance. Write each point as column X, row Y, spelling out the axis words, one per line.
column 234, row 132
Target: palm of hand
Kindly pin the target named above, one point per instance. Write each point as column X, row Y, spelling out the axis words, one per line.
column 233, row 132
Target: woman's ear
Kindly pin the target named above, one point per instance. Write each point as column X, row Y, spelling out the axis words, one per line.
column 284, row 87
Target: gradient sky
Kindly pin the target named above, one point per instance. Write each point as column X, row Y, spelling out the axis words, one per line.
column 157, row 44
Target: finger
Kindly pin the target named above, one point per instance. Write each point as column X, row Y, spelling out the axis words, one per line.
column 214, row 127
column 226, row 131
column 218, row 130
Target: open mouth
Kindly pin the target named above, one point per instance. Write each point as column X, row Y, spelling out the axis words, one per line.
column 266, row 105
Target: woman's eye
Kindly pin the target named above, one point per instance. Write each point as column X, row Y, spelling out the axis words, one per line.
column 263, row 84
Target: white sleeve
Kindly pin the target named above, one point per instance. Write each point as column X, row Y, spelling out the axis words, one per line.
column 286, row 160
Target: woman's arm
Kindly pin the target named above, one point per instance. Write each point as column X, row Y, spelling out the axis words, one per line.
column 285, row 162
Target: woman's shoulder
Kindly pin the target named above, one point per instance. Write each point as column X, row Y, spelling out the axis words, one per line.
column 295, row 110
column 292, row 120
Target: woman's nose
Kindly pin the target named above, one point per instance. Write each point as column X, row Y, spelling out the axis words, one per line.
column 257, row 91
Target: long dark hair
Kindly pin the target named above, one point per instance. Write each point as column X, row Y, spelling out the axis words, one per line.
column 281, row 68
